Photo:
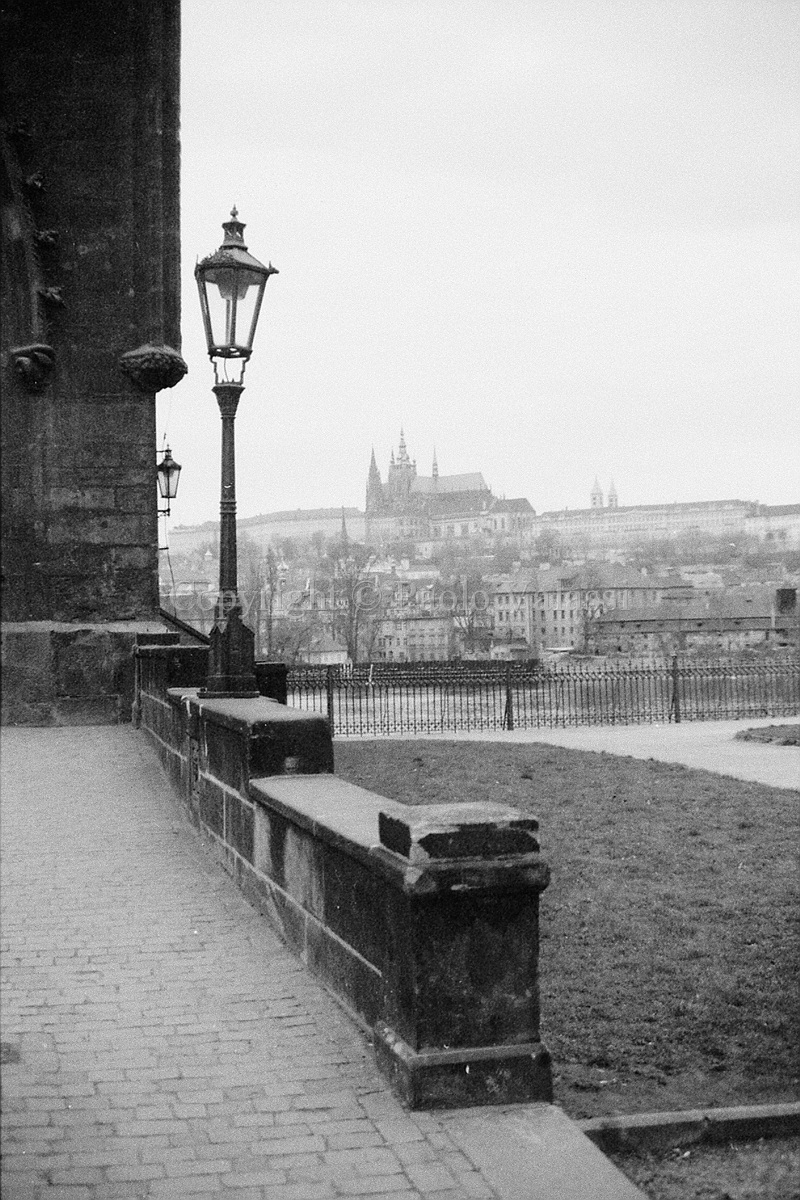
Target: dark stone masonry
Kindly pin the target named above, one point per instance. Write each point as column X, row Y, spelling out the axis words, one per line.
column 90, row 273
column 425, row 923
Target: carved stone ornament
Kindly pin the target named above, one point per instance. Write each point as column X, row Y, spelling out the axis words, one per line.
column 33, row 365
column 152, row 368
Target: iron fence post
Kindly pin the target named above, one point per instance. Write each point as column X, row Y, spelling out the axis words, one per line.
column 676, row 698
column 508, row 720
column 329, row 694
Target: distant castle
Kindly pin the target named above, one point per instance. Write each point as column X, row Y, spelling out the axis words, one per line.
column 432, row 510
column 412, row 507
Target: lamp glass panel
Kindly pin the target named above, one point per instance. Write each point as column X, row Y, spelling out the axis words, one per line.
column 168, row 475
column 173, row 475
column 233, row 298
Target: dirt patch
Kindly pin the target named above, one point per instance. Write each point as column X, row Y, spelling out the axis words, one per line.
column 670, row 942
column 766, row 1169
column 779, row 735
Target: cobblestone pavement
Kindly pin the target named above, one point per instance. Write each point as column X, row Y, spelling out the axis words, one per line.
column 168, row 1044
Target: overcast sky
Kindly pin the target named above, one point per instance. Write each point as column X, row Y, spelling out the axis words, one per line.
column 555, row 239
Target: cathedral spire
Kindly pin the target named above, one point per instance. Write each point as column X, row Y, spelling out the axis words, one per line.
column 435, row 465
column 374, row 484
column 597, row 494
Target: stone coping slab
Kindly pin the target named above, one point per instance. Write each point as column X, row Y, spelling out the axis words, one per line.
column 329, row 808
column 535, row 1152
column 351, row 818
column 663, row 1130
column 143, row 626
column 257, row 712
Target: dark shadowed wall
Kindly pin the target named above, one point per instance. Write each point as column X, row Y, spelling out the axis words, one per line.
column 90, row 261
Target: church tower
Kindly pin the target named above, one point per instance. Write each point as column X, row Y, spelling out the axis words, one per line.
column 597, row 495
column 402, row 471
column 613, row 499
column 374, row 486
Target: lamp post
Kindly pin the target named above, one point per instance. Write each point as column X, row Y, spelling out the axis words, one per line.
column 231, row 284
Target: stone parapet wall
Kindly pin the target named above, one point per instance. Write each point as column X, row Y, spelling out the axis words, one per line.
column 423, row 921
column 67, row 674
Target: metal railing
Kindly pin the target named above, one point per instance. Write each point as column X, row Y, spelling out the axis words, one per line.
column 381, row 698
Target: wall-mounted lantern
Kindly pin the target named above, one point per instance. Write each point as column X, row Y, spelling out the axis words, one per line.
column 168, row 474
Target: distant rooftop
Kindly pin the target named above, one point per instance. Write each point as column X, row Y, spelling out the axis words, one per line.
column 288, row 514
column 472, row 481
column 677, row 505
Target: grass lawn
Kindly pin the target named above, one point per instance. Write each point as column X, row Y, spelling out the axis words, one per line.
column 780, row 735
column 767, row 1170
column 670, row 950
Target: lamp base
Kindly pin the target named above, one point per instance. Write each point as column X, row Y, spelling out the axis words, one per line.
column 231, row 659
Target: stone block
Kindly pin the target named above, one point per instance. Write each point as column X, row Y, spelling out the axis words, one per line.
column 239, row 826
column 355, row 904
column 302, row 869
column 452, row 831
column 81, row 498
column 134, row 499
column 461, row 969
column 353, row 979
column 251, row 738
column 212, row 806
column 98, row 528
column 27, row 666
column 83, row 662
column 462, row 1078
column 61, row 673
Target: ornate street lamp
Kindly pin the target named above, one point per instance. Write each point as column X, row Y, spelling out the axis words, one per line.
column 231, row 284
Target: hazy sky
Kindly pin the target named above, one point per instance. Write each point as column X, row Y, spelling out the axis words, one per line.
column 553, row 238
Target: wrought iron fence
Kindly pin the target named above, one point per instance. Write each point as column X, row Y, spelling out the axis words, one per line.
column 384, row 698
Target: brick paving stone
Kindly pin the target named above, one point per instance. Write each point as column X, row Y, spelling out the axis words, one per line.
column 408, row 1194
column 369, row 1185
column 170, row 1045
column 430, row 1177
column 396, row 1130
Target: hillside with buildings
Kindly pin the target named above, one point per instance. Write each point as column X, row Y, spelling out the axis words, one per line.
column 439, row 567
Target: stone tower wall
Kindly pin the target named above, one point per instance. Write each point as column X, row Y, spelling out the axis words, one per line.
column 91, row 233
column 90, row 274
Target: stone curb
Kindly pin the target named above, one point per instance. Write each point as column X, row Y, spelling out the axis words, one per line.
column 663, row 1130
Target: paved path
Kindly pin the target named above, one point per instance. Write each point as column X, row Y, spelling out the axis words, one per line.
column 169, row 1044
column 704, row 745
